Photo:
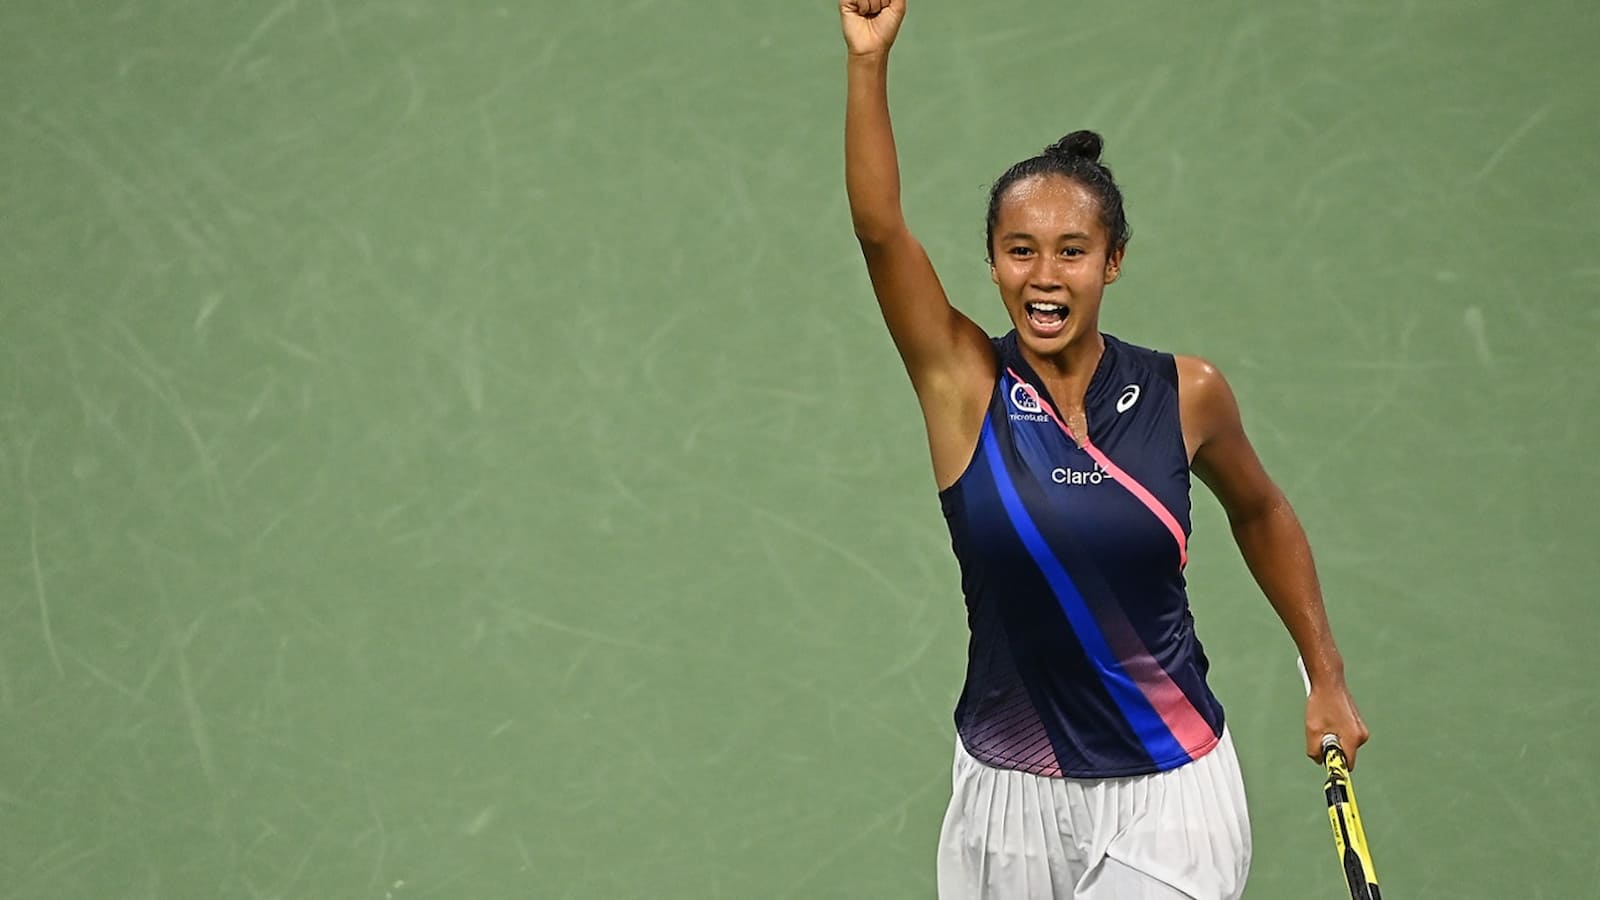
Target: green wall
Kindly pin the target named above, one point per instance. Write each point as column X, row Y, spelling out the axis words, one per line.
column 449, row 450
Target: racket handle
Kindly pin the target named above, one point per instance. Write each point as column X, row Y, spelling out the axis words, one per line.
column 1333, row 753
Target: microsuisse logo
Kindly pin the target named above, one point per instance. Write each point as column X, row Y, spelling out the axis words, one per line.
column 1027, row 406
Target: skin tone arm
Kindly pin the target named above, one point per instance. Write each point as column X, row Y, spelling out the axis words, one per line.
column 947, row 356
column 1273, row 544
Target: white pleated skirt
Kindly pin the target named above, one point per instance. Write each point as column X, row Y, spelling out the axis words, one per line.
column 1183, row 834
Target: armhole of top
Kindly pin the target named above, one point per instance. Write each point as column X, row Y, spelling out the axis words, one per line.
column 1169, row 370
column 988, row 414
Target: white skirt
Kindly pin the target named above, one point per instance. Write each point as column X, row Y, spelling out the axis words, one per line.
column 1183, row 834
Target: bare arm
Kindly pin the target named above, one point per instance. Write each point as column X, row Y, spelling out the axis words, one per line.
column 938, row 344
column 1273, row 544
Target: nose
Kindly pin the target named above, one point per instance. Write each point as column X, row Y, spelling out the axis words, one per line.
column 1044, row 276
column 1045, row 279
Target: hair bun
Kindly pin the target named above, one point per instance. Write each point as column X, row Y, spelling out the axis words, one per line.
column 1085, row 144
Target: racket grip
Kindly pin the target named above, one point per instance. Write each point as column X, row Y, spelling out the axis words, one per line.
column 1332, row 753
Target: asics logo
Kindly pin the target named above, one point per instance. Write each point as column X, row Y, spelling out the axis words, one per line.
column 1130, row 396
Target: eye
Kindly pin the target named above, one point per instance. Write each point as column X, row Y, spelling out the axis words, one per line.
column 1020, row 252
column 1073, row 251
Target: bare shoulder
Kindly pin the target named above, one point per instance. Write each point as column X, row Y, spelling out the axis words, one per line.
column 1219, row 450
column 1202, row 385
column 954, row 400
column 1197, row 375
column 1206, row 404
column 963, row 369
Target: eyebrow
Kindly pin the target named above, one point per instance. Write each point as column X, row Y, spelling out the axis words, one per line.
column 1023, row 235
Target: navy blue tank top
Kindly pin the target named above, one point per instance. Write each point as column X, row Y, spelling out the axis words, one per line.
column 1083, row 660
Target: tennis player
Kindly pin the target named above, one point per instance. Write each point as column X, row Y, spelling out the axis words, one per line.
column 1093, row 760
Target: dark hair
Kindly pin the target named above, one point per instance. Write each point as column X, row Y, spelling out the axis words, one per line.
column 1075, row 157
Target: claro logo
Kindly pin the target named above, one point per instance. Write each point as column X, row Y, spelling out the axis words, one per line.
column 1077, row 476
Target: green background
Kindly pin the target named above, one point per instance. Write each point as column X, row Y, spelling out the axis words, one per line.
column 449, row 450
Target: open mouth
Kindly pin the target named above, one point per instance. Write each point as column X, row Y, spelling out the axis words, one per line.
column 1047, row 315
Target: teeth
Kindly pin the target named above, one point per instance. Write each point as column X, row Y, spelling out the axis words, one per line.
column 1047, row 307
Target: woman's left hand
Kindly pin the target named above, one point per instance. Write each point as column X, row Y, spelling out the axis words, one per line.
column 1331, row 710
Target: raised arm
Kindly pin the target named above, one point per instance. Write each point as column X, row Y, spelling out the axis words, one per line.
column 1273, row 544
column 938, row 344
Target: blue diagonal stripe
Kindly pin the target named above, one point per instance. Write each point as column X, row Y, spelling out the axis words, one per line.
column 1146, row 723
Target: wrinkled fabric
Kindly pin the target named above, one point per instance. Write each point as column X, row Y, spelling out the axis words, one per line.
column 1182, row 834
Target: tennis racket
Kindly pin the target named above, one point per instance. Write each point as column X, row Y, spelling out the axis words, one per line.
column 1349, row 839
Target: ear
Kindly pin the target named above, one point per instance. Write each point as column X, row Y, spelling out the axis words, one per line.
column 993, row 275
column 1114, row 265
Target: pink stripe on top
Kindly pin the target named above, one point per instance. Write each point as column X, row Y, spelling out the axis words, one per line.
column 1139, row 491
column 1169, row 701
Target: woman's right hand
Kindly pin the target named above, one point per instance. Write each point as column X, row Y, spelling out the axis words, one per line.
column 870, row 25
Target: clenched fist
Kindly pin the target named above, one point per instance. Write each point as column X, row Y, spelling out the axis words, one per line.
column 870, row 25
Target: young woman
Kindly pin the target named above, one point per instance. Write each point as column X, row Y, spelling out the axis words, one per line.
column 1092, row 760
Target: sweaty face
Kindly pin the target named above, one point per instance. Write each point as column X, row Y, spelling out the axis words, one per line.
column 1051, row 261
